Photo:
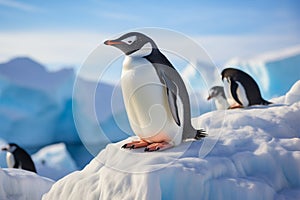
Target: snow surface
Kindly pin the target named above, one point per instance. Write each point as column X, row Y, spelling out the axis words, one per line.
column 249, row 153
column 18, row 184
column 54, row 161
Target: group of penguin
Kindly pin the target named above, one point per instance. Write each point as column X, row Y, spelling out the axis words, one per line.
column 149, row 79
column 145, row 68
column 240, row 90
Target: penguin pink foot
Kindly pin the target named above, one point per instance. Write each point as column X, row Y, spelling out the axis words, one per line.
column 135, row 144
column 236, row 106
column 158, row 146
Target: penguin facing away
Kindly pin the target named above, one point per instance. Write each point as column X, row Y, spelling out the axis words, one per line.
column 218, row 95
column 155, row 97
column 17, row 157
column 241, row 90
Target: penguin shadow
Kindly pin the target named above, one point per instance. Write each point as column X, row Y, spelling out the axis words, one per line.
column 264, row 106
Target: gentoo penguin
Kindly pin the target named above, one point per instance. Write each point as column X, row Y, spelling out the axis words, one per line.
column 17, row 157
column 155, row 97
column 240, row 88
column 217, row 93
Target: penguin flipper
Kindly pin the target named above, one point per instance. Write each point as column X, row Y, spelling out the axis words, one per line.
column 233, row 90
column 172, row 97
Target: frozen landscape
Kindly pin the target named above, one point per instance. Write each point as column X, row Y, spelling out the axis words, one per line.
column 252, row 153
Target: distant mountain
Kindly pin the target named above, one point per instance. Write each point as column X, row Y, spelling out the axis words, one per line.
column 26, row 72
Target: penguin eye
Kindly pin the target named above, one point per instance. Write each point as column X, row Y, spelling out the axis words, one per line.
column 129, row 40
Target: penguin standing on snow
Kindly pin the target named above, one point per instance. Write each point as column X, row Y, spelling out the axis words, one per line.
column 241, row 90
column 217, row 93
column 155, row 97
column 17, row 157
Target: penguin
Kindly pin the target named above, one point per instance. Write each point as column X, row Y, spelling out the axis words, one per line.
column 17, row 157
column 155, row 97
column 217, row 93
column 241, row 90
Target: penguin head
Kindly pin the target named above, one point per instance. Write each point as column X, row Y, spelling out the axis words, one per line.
column 224, row 74
column 11, row 147
column 215, row 92
column 229, row 74
column 133, row 43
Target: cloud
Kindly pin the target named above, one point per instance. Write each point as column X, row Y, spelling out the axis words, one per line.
column 18, row 5
column 63, row 48
column 222, row 48
column 73, row 46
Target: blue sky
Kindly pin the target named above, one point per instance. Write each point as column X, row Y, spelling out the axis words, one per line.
column 64, row 32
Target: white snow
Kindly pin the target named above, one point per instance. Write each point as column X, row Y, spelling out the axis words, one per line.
column 18, row 184
column 249, row 153
column 294, row 94
column 54, row 161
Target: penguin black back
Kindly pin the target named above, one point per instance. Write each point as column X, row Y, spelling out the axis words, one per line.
column 252, row 90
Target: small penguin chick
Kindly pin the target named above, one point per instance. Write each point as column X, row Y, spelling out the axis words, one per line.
column 217, row 94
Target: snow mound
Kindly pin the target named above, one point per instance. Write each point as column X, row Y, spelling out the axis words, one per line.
column 54, row 161
column 250, row 153
column 18, row 184
column 294, row 94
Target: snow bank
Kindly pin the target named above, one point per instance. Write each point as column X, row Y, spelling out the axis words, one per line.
column 294, row 94
column 250, row 153
column 18, row 184
column 54, row 161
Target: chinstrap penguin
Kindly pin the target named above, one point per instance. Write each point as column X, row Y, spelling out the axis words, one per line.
column 217, row 94
column 241, row 90
column 155, row 97
column 16, row 157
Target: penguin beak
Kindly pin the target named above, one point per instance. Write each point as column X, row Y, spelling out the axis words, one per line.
column 112, row 42
column 209, row 97
column 4, row 149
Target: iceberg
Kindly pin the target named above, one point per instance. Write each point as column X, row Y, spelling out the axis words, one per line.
column 54, row 161
column 35, row 107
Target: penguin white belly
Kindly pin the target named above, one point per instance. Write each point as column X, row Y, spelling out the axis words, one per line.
column 10, row 160
column 221, row 103
column 146, row 103
column 241, row 93
column 228, row 94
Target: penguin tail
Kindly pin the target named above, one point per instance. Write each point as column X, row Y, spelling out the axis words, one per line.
column 264, row 102
column 200, row 134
